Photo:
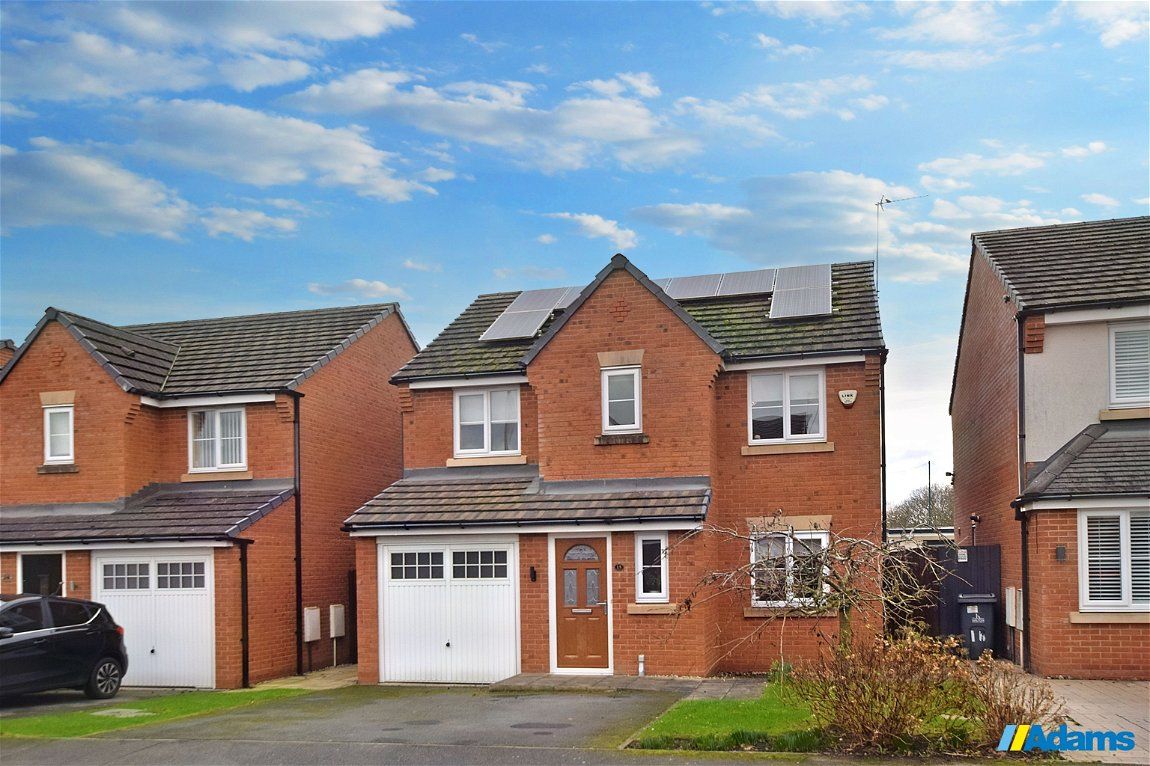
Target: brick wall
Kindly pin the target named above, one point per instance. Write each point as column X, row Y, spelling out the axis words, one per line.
column 367, row 608
column 351, row 438
column 1059, row 647
column 6, row 354
column 428, row 423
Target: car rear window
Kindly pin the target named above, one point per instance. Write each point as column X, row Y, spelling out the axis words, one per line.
column 22, row 618
column 65, row 613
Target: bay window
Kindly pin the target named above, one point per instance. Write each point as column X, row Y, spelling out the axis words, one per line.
column 786, row 406
column 487, row 422
column 217, row 440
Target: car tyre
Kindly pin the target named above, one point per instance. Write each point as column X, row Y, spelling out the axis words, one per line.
column 105, row 679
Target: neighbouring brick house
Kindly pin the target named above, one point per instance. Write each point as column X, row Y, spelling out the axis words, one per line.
column 7, row 350
column 179, row 472
column 562, row 445
column 1051, row 422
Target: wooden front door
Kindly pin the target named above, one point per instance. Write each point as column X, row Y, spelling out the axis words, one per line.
column 581, row 603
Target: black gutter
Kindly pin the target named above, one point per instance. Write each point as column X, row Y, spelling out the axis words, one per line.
column 882, row 435
column 298, row 535
column 812, row 355
column 1019, row 515
column 519, row 523
column 244, row 633
column 1022, row 500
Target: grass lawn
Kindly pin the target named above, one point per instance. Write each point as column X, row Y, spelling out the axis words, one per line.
column 79, row 723
column 774, row 721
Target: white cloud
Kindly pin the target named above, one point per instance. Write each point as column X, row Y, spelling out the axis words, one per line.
column 566, row 137
column 936, row 184
column 1102, row 200
column 696, row 218
column 543, row 69
column 547, row 239
column 800, row 100
column 359, row 288
column 727, row 115
column 1009, row 164
column 595, row 226
column 10, row 111
column 258, row 71
column 261, row 149
column 640, row 84
column 244, row 224
column 1144, row 201
column 486, row 47
column 415, row 265
column 536, row 273
column 814, row 12
column 779, row 50
column 1094, row 147
column 953, row 23
column 949, row 60
column 58, row 185
column 1115, row 22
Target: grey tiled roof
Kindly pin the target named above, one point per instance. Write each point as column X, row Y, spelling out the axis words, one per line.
column 259, row 352
column 1076, row 264
column 740, row 324
column 495, row 497
column 187, row 512
column 1111, row 458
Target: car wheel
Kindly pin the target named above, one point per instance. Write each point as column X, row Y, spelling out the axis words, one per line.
column 104, row 682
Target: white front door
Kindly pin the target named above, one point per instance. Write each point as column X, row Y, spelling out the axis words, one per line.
column 448, row 610
column 164, row 600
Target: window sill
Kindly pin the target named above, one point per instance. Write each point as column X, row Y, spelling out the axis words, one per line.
column 652, row 608
column 457, row 462
column 788, row 449
column 58, row 468
column 1118, row 412
column 1112, row 618
column 217, row 476
column 775, row 611
column 607, row 440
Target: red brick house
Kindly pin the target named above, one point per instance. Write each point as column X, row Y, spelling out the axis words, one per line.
column 191, row 475
column 563, row 448
column 1051, row 424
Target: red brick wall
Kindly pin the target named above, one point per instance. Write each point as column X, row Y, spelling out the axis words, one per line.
column 429, row 419
column 367, row 608
column 1059, row 647
column 56, row 362
column 678, row 369
column 534, row 600
column 351, row 437
column 8, row 583
column 229, row 626
column 271, row 595
column 6, row 354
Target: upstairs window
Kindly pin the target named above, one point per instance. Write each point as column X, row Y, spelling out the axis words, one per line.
column 1114, row 560
column 487, row 422
column 1130, row 365
column 217, row 440
column 58, row 435
column 622, row 394
column 786, row 406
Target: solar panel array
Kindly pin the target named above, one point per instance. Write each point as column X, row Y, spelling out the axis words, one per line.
column 802, row 291
column 714, row 285
column 528, row 312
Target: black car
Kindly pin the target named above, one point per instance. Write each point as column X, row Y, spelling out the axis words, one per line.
column 49, row 642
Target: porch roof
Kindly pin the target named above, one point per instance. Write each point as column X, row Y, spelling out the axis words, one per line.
column 1111, row 458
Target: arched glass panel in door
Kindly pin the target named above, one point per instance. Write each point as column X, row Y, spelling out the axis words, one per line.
column 581, row 553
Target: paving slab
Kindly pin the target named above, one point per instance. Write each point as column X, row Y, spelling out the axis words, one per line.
column 1106, row 706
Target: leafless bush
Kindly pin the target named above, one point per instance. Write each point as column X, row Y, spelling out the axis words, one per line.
column 1001, row 693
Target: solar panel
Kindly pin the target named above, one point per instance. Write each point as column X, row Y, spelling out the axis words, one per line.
column 704, row 286
column 802, row 291
column 568, row 297
column 516, row 324
column 537, row 300
column 747, row 282
column 663, row 283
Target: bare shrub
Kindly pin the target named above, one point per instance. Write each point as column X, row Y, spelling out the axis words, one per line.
column 888, row 695
column 1001, row 693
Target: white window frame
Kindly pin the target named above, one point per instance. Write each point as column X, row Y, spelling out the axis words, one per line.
column 217, row 442
column 1115, row 401
column 49, row 458
column 486, row 450
column 637, row 375
column 664, row 594
column 787, row 374
column 1126, row 604
column 790, row 537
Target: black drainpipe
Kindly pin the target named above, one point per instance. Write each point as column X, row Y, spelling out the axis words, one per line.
column 244, row 636
column 1020, row 515
column 296, row 396
column 882, row 433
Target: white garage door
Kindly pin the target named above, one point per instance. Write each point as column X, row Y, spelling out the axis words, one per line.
column 448, row 611
column 164, row 601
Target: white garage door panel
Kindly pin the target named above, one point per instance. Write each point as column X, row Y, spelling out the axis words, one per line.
column 169, row 632
column 449, row 629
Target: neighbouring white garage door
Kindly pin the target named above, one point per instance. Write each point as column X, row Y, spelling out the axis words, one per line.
column 448, row 611
column 163, row 598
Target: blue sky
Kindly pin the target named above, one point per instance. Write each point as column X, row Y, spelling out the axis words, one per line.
column 168, row 161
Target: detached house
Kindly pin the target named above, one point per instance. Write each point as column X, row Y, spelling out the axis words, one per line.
column 571, row 454
column 1051, row 413
column 193, row 477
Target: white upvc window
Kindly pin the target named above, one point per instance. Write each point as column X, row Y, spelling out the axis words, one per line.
column 1130, row 364
column 217, row 440
column 1114, row 560
column 622, row 399
column 652, row 578
column 59, row 440
column 787, row 568
column 486, row 421
column 786, row 406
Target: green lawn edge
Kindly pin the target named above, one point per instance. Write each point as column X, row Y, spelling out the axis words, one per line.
column 171, row 707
